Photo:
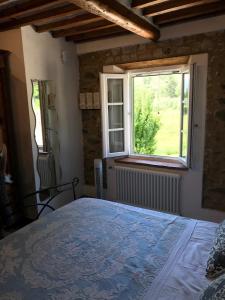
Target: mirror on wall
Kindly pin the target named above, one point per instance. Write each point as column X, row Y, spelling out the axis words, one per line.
column 46, row 133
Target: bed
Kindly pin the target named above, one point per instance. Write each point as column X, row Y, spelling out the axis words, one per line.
column 96, row 249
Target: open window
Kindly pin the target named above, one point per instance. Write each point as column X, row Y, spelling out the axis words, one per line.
column 148, row 113
column 115, row 114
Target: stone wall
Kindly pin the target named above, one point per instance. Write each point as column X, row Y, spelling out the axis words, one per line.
column 213, row 44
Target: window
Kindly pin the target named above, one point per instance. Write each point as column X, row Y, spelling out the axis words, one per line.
column 148, row 113
column 115, row 114
column 39, row 99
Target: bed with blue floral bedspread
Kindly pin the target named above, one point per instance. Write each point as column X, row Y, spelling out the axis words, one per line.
column 98, row 250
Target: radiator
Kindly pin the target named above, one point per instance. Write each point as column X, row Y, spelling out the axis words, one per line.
column 159, row 191
column 46, row 170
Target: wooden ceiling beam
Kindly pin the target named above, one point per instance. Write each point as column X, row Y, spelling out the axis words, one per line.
column 120, row 15
column 102, row 24
column 146, row 3
column 190, row 13
column 98, row 34
column 99, row 37
column 88, row 31
column 55, row 13
column 69, row 22
column 17, row 8
column 173, row 6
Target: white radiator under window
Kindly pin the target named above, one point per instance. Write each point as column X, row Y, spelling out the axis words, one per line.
column 160, row 191
column 46, row 169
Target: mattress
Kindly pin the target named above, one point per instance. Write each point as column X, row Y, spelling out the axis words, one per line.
column 96, row 249
column 183, row 276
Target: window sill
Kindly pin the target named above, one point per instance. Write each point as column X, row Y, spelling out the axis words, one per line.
column 42, row 152
column 152, row 162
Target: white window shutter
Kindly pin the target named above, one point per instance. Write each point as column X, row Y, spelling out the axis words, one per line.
column 191, row 104
column 115, row 99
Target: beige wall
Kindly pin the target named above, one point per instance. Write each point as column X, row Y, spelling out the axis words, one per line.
column 12, row 41
column 43, row 61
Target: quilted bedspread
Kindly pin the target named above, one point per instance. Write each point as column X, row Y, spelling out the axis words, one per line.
column 89, row 249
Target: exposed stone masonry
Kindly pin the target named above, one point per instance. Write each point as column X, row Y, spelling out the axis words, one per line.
column 213, row 44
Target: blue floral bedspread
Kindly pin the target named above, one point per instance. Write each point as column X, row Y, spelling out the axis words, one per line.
column 90, row 249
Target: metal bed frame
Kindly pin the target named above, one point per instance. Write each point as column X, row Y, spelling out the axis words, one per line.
column 73, row 185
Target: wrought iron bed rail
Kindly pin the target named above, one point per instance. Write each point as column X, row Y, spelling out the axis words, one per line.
column 56, row 188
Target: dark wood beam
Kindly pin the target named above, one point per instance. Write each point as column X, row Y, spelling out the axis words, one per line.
column 173, row 5
column 98, row 34
column 102, row 24
column 120, row 15
column 99, row 37
column 146, row 3
column 57, row 12
column 14, row 9
column 69, row 22
column 190, row 13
